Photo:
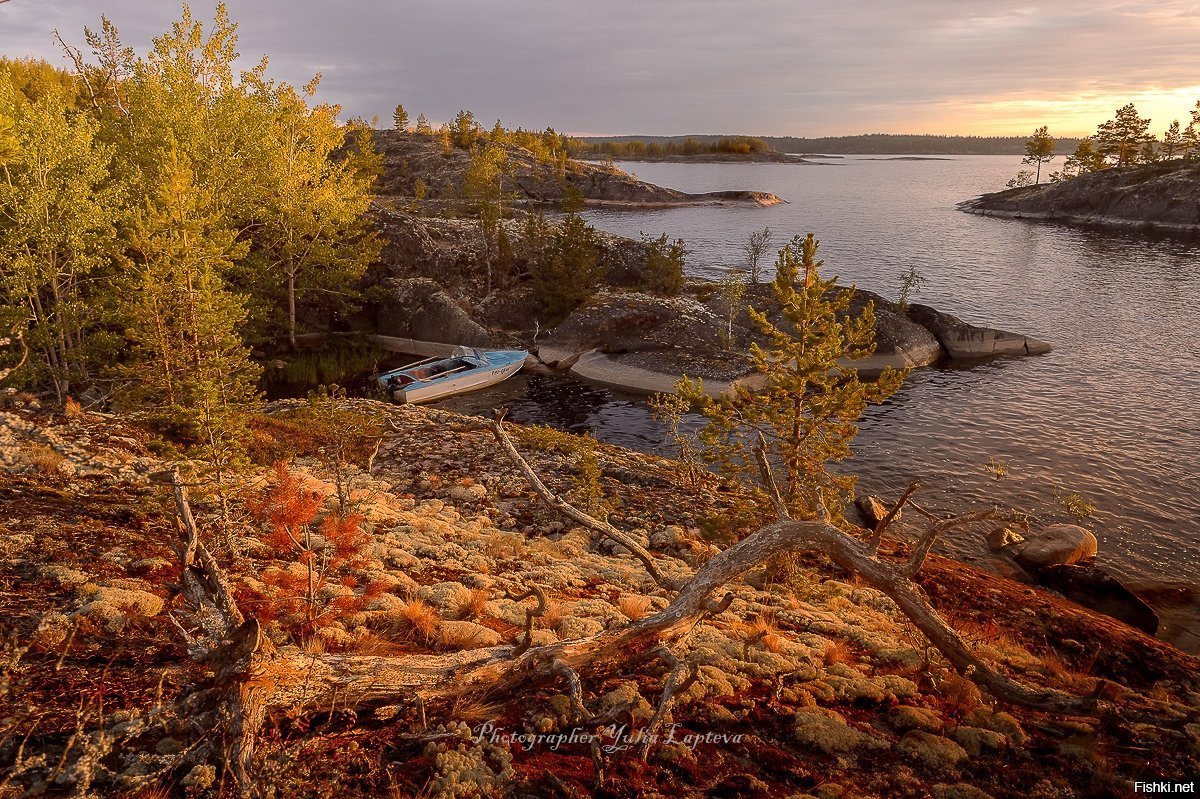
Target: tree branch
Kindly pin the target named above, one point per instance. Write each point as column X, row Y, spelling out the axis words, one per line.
column 570, row 511
column 876, row 537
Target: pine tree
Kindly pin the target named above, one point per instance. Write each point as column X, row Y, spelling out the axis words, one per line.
column 568, row 268
column 400, row 118
column 1191, row 136
column 812, row 398
column 1086, row 158
column 1124, row 136
column 465, row 130
column 422, row 128
column 1039, row 150
column 1172, row 141
column 187, row 356
column 662, row 272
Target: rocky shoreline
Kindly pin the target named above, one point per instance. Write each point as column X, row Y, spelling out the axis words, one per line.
column 1153, row 198
column 821, row 677
column 633, row 340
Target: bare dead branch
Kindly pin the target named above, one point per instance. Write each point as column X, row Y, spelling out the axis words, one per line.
column 876, row 537
column 530, row 615
column 570, row 511
column 574, row 690
column 768, row 477
column 679, row 679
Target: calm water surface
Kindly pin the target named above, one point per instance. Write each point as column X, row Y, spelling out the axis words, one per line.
column 1112, row 414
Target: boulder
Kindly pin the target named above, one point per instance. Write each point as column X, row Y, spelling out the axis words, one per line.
column 418, row 308
column 1003, row 538
column 1057, row 544
column 873, row 509
column 1095, row 588
column 900, row 343
column 964, row 341
column 623, row 322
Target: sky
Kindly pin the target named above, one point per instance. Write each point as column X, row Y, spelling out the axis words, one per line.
column 765, row 67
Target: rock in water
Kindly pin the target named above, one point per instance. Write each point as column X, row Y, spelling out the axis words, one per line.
column 1095, row 588
column 873, row 510
column 1063, row 544
column 965, row 341
column 1003, row 538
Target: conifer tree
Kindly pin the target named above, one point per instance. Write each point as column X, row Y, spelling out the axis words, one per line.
column 812, row 397
column 1191, row 136
column 1039, row 150
column 187, row 356
column 1172, row 141
column 400, row 118
column 422, row 128
column 1123, row 137
column 568, row 268
column 662, row 272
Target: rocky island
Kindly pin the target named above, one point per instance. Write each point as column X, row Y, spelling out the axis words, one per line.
column 1157, row 197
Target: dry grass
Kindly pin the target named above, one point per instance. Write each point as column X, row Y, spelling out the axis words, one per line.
column 454, row 638
column 553, row 616
column 314, row 645
column 376, row 646
column 633, row 607
column 45, row 460
column 838, row 652
column 418, row 621
column 473, row 604
column 73, row 409
column 762, row 631
column 473, row 709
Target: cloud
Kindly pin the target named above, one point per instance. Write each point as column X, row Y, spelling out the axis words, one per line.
column 674, row 66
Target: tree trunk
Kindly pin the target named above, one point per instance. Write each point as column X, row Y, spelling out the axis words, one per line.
column 291, row 291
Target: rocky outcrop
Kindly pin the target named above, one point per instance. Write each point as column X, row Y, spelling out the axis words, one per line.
column 645, row 342
column 1095, row 588
column 408, row 156
column 963, row 341
column 451, row 251
column 418, row 308
column 1153, row 197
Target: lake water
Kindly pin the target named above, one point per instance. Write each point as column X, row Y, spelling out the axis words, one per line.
column 1113, row 414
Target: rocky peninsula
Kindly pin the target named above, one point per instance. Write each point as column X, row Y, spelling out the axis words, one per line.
column 409, row 157
column 1161, row 197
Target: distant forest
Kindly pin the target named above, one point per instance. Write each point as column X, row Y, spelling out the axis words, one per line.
column 869, row 143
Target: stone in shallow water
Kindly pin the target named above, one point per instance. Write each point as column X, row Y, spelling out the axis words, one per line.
column 1058, row 544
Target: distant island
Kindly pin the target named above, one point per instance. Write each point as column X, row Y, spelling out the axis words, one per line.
column 765, row 148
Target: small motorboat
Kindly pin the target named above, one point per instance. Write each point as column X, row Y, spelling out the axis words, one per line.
column 466, row 369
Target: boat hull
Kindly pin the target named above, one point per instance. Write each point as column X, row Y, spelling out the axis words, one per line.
column 474, row 381
column 476, row 369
